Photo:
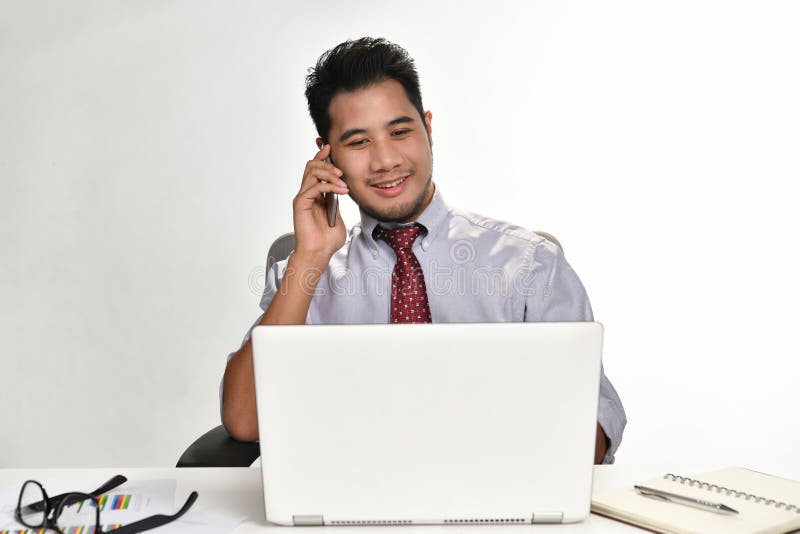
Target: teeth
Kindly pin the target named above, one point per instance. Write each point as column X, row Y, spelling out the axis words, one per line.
column 387, row 186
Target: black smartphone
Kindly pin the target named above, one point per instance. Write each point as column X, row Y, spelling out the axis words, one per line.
column 331, row 203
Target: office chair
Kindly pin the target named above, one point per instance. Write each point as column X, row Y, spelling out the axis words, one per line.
column 216, row 448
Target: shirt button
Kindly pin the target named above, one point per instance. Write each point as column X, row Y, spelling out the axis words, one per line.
column 425, row 245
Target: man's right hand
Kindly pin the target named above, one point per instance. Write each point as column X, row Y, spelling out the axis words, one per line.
column 314, row 239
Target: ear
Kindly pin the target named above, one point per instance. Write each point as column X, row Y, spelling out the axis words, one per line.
column 319, row 143
column 428, row 119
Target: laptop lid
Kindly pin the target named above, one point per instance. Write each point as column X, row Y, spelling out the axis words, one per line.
column 427, row 423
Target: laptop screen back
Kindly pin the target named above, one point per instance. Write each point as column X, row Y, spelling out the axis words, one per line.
column 427, row 424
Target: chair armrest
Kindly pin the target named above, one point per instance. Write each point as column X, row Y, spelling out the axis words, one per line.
column 216, row 448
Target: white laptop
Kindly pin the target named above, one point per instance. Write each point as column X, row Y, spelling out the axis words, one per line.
column 427, row 423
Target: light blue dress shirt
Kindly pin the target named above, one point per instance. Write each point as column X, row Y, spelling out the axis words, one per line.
column 476, row 269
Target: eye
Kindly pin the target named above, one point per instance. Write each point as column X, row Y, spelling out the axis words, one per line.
column 398, row 133
column 358, row 143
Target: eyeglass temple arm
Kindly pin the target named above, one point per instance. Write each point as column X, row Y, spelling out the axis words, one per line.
column 110, row 484
column 156, row 520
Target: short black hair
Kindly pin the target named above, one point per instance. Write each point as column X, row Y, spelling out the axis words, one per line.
column 354, row 65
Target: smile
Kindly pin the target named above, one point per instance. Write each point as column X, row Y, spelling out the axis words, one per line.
column 392, row 184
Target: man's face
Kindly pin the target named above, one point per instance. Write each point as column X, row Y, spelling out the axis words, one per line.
column 378, row 139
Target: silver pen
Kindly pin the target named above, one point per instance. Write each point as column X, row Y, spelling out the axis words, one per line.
column 688, row 501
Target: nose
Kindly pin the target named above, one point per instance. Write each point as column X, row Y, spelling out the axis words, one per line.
column 385, row 156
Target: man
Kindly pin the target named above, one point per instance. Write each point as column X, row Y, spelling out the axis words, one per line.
column 443, row 265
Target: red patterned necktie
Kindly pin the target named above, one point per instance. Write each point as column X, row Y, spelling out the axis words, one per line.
column 409, row 297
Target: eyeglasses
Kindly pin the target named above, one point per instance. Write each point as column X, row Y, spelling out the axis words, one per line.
column 36, row 510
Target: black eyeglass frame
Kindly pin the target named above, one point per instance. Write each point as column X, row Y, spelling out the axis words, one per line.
column 52, row 508
column 51, row 505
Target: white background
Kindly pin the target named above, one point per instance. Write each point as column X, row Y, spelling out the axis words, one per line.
column 149, row 152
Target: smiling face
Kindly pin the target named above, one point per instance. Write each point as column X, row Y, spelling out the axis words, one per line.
column 383, row 147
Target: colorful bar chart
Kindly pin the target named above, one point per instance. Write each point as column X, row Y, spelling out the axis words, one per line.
column 118, row 501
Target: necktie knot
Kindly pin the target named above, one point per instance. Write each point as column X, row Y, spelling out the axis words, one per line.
column 399, row 238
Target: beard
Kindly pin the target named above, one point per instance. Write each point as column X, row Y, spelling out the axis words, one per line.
column 400, row 213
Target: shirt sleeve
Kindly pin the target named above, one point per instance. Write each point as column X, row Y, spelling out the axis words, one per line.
column 558, row 295
column 271, row 285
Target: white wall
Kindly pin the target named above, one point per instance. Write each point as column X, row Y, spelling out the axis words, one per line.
column 149, row 152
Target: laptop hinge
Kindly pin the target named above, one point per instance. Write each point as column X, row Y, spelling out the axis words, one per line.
column 547, row 517
column 308, row 520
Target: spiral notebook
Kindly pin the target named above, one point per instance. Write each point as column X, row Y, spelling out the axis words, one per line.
column 766, row 504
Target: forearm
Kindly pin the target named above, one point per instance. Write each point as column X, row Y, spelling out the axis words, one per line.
column 289, row 306
column 238, row 396
column 600, row 445
column 291, row 302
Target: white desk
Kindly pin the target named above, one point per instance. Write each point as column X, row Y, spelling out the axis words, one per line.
column 237, row 492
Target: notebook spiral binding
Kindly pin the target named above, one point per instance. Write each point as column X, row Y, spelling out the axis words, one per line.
column 728, row 491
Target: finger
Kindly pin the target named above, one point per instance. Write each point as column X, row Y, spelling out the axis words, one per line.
column 318, row 171
column 320, row 176
column 313, row 193
column 315, row 164
column 323, row 153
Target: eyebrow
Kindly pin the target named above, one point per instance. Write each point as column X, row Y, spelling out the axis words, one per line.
column 355, row 131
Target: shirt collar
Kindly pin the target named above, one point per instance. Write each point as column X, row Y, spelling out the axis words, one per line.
column 433, row 214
